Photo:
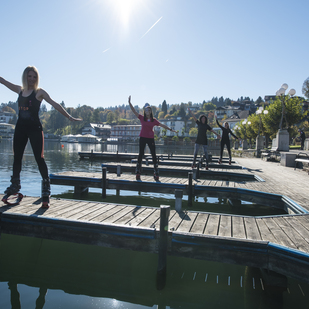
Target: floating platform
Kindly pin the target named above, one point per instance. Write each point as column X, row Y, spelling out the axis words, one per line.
column 278, row 243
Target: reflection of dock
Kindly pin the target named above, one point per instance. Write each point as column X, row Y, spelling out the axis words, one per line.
column 279, row 242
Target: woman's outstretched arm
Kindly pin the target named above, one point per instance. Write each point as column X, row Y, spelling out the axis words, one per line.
column 192, row 114
column 13, row 87
column 42, row 94
column 132, row 108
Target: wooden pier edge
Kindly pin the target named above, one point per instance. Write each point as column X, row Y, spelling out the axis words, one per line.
column 261, row 254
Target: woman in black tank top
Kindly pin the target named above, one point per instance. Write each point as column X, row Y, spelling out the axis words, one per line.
column 29, row 127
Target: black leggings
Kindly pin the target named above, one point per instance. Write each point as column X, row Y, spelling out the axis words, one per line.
column 227, row 143
column 36, row 137
column 151, row 144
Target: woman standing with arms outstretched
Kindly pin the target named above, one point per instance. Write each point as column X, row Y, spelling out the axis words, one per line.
column 146, row 136
column 201, row 137
column 29, row 127
column 225, row 140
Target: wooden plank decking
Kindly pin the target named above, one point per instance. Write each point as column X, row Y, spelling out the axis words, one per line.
column 279, row 243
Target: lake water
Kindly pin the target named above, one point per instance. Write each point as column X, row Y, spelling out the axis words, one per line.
column 41, row 273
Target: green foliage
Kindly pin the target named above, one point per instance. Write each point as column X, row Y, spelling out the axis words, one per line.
column 209, row 106
column 187, row 140
column 164, row 107
column 175, row 138
column 193, row 132
column 8, row 109
column 293, row 108
column 124, row 121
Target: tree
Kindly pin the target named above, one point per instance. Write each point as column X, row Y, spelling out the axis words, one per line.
column 164, row 107
column 110, row 117
column 161, row 115
column 305, row 88
column 95, row 118
column 8, row 109
column 293, row 108
column 209, row 106
column 193, row 131
column 43, row 108
column 259, row 100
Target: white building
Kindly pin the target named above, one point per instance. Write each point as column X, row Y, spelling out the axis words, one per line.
column 236, row 118
column 125, row 132
column 5, row 117
column 175, row 124
column 6, row 130
column 97, row 129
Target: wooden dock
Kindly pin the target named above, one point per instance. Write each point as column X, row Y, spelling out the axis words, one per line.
column 215, row 172
column 278, row 243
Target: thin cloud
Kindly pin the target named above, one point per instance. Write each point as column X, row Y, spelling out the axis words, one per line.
column 104, row 51
column 151, row 27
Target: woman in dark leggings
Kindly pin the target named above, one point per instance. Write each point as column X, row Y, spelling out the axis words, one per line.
column 225, row 140
column 29, row 127
column 147, row 137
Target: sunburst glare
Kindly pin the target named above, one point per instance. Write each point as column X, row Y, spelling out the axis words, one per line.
column 124, row 10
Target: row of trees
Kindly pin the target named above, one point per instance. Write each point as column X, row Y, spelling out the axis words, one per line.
column 54, row 122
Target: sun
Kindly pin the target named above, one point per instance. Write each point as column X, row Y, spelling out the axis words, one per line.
column 125, row 10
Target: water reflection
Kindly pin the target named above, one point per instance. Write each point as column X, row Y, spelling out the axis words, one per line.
column 15, row 296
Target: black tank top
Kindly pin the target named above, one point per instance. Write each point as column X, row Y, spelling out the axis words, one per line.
column 29, row 108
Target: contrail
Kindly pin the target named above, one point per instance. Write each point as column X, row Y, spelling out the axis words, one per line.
column 152, row 27
column 106, row 50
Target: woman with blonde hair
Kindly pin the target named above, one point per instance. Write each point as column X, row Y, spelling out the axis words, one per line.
column 29, row 127
column 147, row 137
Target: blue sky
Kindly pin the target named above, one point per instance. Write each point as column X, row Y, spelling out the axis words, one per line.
column 98, row 52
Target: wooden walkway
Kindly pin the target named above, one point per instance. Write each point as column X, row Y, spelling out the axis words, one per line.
column 279, row 243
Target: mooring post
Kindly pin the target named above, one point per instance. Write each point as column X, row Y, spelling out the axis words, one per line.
column 118, row 170
column 103, row 182
column 147, row 163
column 190, row 189
column 198, row 171
column 178, row 200
column 162, row 257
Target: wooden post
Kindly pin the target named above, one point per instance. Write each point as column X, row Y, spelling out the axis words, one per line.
column 190, row 189
column 162, row 258
column 178, row 200
column 194, row 173
column 80, row 191
column 103, row 182
column 118, row 170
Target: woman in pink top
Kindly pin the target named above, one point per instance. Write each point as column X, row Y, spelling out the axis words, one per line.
column 147, row 137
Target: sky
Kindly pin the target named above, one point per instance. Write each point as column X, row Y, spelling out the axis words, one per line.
column 98, row 52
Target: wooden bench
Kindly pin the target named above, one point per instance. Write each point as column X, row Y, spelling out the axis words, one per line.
column 270, row 154
column 301, row 157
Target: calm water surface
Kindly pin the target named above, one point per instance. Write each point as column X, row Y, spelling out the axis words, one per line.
column 40, row 273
